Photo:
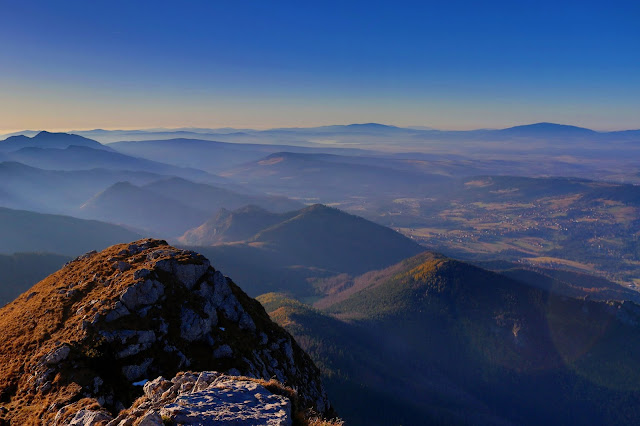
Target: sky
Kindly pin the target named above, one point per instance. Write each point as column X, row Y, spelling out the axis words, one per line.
column 257, row 64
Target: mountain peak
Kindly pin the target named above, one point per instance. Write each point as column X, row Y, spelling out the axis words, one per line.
column 45, row 139
column 548, row 128
column 131, row 313
column 371, row 126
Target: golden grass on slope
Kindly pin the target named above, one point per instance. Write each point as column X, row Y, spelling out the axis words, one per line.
column 564, row 262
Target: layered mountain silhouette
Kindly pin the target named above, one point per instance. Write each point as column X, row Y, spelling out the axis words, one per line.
column 21, row 270
column 55, row 191
column 87, row 158
column 285, row 249
column 24, row 231
column 169, row 207
column 212, row 198
column 564, row 282
column 212, row 155
column 125, row 203
column 49, row 140
column 330, row 177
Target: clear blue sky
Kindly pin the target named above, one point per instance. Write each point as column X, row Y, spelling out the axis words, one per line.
column 446, row 64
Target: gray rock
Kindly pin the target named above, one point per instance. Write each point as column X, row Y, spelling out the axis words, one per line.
column 90, row 418
column 205, row 379
column 152, row 418
column 141, row 273
column 288, row 351
column 122, row 266
column 142, row 293
column 223, row 351
column 246, row 323
column 132, row 372
column 209, row 398
column 192, row 325
column 118, row 311
column 57, row 355
column 188, row 274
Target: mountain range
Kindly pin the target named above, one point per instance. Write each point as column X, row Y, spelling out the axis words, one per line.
column 46, row 139
column 536, row 129
column 336, row 229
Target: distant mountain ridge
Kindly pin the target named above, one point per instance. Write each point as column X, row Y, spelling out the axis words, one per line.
column 24, row 231
column 54, row 191
column 20, row 271
column 329, row 177
column 211, row 198
column 125, row 203
column 549, row 129
column 46, row 139
column 121, row 135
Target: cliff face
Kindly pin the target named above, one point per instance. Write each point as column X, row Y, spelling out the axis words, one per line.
column 89, row 335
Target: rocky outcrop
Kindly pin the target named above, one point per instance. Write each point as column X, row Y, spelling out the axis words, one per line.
column 207, row 398
column 83, row 340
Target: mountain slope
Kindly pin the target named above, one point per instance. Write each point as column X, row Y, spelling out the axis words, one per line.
column 24, row 231
column 228, row 226
column 211, row 198
column 337, row 240
column 128, row 204
column 316, row 241
column 568, row 283
column 372, row 377
column 497, row 335
column 86, row 158
column 461, row 345
column 53, row 191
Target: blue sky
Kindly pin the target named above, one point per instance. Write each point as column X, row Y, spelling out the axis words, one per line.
column 453, row 64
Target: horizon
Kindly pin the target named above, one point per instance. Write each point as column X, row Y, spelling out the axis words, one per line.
column 14, row 132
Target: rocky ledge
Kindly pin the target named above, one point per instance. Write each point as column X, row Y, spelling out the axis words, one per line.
column 207, row 398
column 88, row 336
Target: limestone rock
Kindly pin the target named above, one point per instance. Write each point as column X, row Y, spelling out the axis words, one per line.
column 209, row 398
column 58, row 355
column 90, row 418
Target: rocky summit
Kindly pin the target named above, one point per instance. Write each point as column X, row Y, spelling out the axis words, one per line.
column 80, row 344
